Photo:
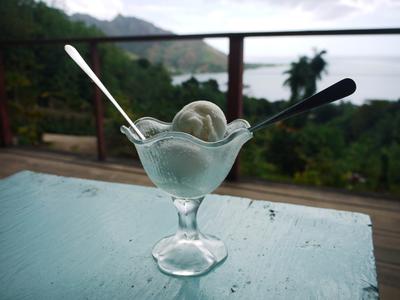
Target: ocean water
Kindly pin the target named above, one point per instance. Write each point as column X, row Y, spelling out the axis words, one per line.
column 376, row 78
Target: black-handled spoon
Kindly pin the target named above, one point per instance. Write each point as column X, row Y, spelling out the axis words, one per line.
column 339, row 90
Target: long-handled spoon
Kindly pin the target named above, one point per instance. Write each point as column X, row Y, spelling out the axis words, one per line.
column 74, row 54
column 339, row 90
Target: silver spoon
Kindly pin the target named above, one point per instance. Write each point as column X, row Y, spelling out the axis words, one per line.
column 77, row 58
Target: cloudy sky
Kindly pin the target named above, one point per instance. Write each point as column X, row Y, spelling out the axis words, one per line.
column 204, row 16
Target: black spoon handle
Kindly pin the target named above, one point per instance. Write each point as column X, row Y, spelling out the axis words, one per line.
column 339, row 90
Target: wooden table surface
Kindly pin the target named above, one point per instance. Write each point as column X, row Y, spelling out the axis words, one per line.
column 69, row 238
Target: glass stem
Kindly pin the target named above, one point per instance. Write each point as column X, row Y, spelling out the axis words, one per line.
column 187, row 216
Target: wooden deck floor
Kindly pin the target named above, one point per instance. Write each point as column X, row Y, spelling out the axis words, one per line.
column 385, row 213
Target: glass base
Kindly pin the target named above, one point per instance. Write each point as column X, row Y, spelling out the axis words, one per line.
column 180, row 256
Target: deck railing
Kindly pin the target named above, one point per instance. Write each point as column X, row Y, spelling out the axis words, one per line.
column 235, row 70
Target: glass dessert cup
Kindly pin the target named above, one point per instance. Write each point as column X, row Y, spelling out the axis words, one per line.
column 187, row 168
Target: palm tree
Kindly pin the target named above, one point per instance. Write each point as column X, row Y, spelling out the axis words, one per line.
column 303, row 75
column 318, row 66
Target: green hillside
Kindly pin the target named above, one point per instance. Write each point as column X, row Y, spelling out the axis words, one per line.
column 179, row 56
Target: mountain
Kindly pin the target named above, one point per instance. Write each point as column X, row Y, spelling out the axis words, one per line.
column 178, row 56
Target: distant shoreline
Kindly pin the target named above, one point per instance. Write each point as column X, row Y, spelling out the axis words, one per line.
column 246, row 66
column 376, row 78
column 260, row 65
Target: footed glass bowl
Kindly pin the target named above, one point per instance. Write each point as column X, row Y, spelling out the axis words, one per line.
column 187, row 168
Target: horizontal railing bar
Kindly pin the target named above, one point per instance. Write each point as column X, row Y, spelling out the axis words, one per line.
column 144, row 38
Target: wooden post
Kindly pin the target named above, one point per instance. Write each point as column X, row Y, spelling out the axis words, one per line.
column 235, row 89
column 5, row 133
column 98, row 104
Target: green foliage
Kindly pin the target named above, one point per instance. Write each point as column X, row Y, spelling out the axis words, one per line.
column 303, row 75
column 346, row 146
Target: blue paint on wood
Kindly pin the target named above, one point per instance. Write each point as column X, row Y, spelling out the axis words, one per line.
column 67, row 238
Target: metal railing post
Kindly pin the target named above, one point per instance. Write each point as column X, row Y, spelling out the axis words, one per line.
column 235, row 89
column 5, row 133
column 98, row 104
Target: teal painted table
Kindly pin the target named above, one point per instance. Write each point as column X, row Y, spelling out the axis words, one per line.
column 67, row 238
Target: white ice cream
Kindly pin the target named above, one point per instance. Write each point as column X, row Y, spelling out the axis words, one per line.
column 202, row 119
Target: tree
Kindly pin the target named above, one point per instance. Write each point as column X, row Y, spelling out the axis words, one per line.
column 303, row 75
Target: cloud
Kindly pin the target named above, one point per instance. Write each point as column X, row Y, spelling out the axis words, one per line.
column 328, row 9
column 102, row 9
column 176, row 10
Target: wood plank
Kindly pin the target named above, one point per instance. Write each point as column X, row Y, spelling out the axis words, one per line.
column 389, row 292
column 388, row 275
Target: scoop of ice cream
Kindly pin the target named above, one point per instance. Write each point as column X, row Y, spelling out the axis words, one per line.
column 202, row 119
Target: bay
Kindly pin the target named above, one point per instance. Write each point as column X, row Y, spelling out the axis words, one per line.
column 376, row 78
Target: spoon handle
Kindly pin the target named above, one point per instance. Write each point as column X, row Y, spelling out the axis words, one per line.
column 77, row 58
column 339, row 90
